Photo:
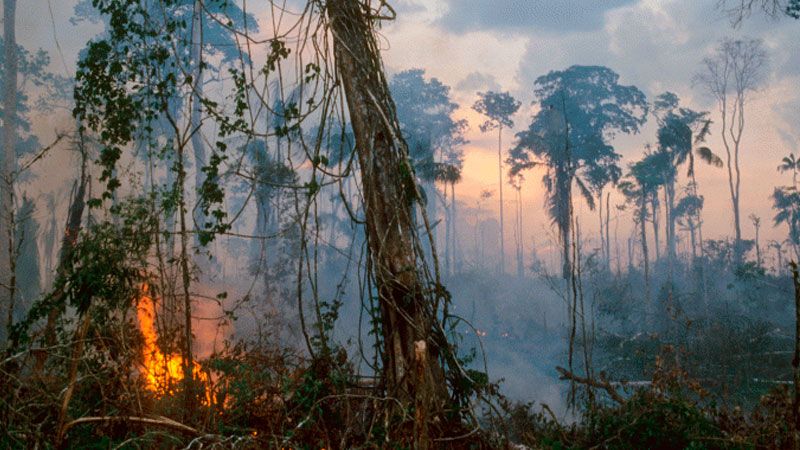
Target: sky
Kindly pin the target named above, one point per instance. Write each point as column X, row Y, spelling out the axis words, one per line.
column 656, row 45
column 474, row 45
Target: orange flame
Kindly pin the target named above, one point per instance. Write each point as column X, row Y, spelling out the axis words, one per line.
column 162, row 372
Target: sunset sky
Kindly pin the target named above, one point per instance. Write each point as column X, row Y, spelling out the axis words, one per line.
column 473, row 45
column 655, row 45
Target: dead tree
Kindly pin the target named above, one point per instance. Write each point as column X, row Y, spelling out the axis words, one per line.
column 411, row 368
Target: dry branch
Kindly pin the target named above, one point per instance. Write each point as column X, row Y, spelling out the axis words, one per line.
column 600, row 384
column 158, row 421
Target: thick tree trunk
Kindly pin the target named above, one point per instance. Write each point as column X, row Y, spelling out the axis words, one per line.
column 411, row 371
column 8, row 156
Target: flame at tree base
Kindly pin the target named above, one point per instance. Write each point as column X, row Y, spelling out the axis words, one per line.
column 163, row 373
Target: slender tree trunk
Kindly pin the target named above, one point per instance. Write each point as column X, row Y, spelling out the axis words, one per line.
column 699, row 215
column 520, row 250
column 262, row 229
column 8, row 157
column 731, row 135
column 447, row 225
column 411, row 370
column 198, row 146
column 630, row 254
column 738, row 176
column 758, row 249
column 432, row 209
column 186, row 348
column 49, row 244
column 796, row 358
column 601, row 232
column 454, row 237
column 77, row 353
column 738, row 250
column 566, row 238
column 669, row 194
column 645, row 256
column 608, row 233
column 780, row 260
column 500, row 184
column 656, row 234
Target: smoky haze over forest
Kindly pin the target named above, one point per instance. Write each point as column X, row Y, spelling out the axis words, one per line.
column 359, row 223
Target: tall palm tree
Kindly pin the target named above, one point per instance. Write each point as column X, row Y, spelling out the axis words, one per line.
column 786, row 201
column 681, row 134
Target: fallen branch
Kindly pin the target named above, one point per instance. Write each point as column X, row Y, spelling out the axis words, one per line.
column 159, row 421
column 600, row 384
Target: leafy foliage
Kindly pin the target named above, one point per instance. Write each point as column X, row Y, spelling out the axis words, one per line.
column 425, row 112
column 498, row 107
column 580, row 109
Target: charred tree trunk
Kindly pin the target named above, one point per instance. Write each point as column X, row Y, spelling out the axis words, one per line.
column 412, row 372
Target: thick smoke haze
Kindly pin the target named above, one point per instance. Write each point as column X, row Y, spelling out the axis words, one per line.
column 565, row 208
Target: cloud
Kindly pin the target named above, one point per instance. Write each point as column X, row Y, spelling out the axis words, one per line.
column 408, row 7
column 478, row 81
column 789, row 113
column 515, row 15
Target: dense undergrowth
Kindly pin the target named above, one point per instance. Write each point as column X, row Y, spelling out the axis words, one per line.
column 691, row 374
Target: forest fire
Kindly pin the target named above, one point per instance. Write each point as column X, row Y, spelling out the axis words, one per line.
column 163, row 372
